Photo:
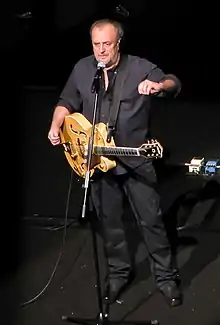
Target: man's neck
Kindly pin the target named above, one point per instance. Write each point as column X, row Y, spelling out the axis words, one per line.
column 114, row 64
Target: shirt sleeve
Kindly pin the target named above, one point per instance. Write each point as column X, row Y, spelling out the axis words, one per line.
column 156, row 74
column 70, row 96
column 151, row 71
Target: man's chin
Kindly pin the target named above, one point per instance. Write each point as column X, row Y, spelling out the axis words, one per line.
column 107, row 62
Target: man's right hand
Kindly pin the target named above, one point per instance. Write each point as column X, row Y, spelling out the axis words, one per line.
column 54, row 135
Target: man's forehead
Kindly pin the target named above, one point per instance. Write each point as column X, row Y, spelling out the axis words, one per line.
column 104, row 28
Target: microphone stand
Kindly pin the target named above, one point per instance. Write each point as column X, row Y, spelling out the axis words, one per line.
column 103, row 314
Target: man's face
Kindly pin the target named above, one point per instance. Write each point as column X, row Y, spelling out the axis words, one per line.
column 105, row 44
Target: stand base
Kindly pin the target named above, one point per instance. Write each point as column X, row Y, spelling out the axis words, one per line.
column 104, row 320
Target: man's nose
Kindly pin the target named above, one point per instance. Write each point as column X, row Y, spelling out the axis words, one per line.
column 102, row 48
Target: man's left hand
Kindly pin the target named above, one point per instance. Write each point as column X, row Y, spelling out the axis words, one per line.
column 148, row 87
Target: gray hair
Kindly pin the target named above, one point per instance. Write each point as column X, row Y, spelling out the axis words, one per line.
column 102, row 22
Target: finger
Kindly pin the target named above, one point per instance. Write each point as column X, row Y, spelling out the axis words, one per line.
column 148, row 88
column 154, row 91
column 55, row 142
column 53, row 136
column 140, row 88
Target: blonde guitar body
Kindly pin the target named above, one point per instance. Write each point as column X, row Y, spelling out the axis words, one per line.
column 75, row 138
column 75, row 135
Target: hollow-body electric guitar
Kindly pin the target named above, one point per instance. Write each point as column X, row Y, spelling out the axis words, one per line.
column 75, row 134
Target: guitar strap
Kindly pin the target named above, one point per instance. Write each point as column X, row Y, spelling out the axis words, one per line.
column 114, row 109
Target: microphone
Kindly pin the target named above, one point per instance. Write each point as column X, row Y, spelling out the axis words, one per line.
column 98, row 76
column 101, row 65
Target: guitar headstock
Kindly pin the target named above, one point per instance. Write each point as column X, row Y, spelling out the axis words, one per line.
column 151, row 149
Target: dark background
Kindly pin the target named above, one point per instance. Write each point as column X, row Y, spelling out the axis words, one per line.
column 39, row 52
column 180, row 37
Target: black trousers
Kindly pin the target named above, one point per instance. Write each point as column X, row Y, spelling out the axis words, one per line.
column 109, row 194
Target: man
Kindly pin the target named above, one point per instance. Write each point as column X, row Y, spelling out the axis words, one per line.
column 133, row 178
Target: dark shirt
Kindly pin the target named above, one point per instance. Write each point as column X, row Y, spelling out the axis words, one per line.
column 132, row 128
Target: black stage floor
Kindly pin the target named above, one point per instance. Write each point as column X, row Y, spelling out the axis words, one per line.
column 38, row 288
column 42, row 290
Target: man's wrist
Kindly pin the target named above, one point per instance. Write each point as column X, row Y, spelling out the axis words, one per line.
column 162, row 86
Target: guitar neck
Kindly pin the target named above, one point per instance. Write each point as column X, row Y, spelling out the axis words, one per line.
column 116, row 151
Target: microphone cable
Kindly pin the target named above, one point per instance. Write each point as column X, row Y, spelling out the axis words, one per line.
column 61, row 251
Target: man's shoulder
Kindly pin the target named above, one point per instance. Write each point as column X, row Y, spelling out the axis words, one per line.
column 137, row 59
column 142, row 64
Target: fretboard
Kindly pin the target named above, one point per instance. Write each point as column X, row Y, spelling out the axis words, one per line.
column 116, row 151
